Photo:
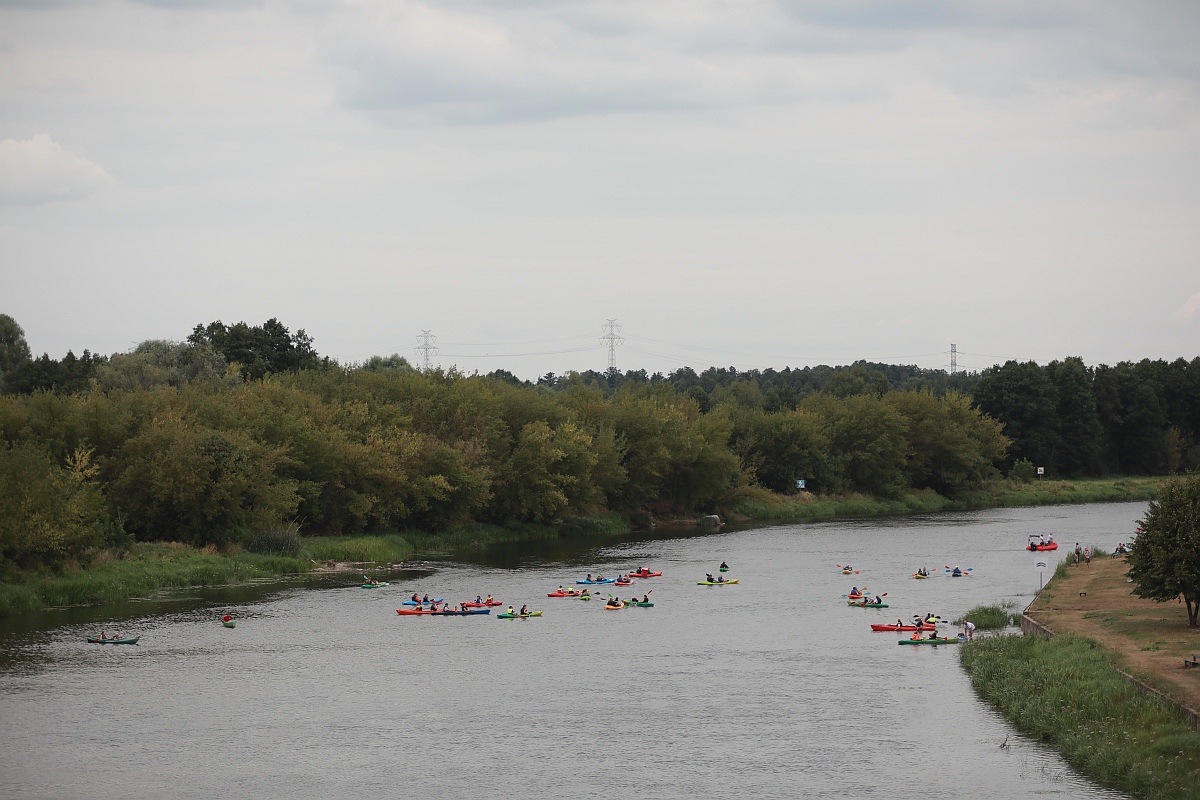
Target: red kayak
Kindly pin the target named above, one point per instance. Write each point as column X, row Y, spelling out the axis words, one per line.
column 565, row 594
column 646, row 574
column 1047, row 546
column 622, row 583
column 902, row 627
column 412, row 612
column 484, row 604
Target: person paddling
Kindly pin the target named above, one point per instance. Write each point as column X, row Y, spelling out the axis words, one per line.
column 490, row 601
column 511, row 613
column 524, row 611
column 708, row 577
column 724, row 565
column 479, row 600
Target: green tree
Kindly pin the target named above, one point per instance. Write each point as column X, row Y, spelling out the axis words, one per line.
column 1164, row 563
column 14, row 350
column 50, row 513
column 1023, row 398
column 1079, row 431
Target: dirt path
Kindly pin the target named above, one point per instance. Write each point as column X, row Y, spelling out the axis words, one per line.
column 1150, row 639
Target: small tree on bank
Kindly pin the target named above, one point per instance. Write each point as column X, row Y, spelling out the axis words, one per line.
column 1165, row 560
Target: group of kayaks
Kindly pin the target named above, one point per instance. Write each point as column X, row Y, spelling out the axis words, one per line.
column 927, row 624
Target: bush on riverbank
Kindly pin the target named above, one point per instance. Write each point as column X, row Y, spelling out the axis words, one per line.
column 990, row 618
column 1065, row 691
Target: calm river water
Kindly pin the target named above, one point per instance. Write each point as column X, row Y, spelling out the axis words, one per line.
column 773, row 688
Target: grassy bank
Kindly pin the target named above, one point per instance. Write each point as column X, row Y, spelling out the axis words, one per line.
column 998, row 494
column 1066, row 692
column 148, row 567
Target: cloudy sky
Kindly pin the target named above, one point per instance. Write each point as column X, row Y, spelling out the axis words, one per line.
column 741, row 183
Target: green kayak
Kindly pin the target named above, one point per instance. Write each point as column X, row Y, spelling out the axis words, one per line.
column 641, row 605
column 929, row 641
column 869, row 605
column 519, row 616
column 375, row 585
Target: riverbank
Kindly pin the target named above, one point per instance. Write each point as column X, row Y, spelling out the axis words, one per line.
column 997, row 494
column 1145, row 638
column 1066, row 692
column 148, row 567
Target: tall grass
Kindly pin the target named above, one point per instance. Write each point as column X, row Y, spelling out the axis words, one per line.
column 990, row 618
column 1065, row 691
column 146, row 568
column 781, row 507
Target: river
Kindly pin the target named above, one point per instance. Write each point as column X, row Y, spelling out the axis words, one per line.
column 772, row 688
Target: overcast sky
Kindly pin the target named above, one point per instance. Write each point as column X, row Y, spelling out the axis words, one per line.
column 737, row 183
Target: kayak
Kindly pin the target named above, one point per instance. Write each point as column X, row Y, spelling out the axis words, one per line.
column 436, row 600
column 606, row 580
column 641, row 605
column 647, row 574
column 375, row 585
column 413, row 612
column 466, row 613
column 717, row 583
column 847, row 572
column 612, row 607
column 902, row 627
column 919, row 576
column 854, row 597
column 519, row 616
column 869, row 605
column 724, row 569
column 228, row 623
column 623, row 583
column 133, row 640
column 484, row 604
column 929, row 641
column 1047, row 546
column 564, row 594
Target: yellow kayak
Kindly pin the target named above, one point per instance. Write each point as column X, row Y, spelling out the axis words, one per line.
column 716, row 583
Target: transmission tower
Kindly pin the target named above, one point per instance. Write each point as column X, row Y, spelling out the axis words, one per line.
column 425, row 348
column 953, row 358
column 611, row 339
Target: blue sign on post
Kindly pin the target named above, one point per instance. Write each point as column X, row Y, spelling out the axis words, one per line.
column 800, row 483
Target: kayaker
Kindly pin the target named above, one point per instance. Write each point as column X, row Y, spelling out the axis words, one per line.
column 855, row 592
column 916, row 637
column 720, row 579
column 524, row 610
column 957, row 572
column 584, row 593
column 416, row 598
column 511, row 613
column 878, row 600
column 724, row 565
column 646, row 598
column 561, row 590
column 588, row 578
column 708, row 577
column 490, row 601
column 479, row 599
column 426, row 599
column 599, row 577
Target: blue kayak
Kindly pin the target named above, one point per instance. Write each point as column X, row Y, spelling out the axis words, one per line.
column 415, row 603
column 606, row 580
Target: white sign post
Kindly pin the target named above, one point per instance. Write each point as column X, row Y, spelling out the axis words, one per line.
column 1041, row 567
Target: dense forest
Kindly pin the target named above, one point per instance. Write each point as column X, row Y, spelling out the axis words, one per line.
column 242, row 431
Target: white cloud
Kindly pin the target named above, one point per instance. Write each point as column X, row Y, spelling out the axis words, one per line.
column 38, row 170
column 1189, row 308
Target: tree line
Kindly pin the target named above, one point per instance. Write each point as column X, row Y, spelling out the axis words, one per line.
column 175, row 441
